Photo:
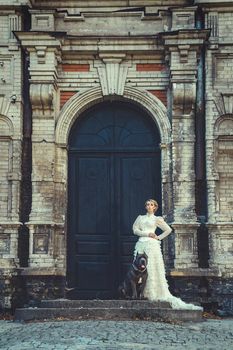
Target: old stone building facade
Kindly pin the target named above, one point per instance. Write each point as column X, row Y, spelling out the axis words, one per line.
column 94, row 96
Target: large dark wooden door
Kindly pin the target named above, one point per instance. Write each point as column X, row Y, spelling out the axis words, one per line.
column 114, row 166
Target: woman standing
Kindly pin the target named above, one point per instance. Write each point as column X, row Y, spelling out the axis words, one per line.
column 156, row 288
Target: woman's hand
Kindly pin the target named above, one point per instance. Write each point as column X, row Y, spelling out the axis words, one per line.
column 153, row 235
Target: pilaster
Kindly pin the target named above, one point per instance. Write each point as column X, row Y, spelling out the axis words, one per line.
column 44, row 55
column 182, row 50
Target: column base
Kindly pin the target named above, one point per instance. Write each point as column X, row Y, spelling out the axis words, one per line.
column 220, row 240
column 9, row 233
column 186, row 255
column 47, row 246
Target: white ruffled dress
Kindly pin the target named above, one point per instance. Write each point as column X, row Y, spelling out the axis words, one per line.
column 156, row 288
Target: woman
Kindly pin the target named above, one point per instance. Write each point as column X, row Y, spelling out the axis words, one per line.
column 156, row 286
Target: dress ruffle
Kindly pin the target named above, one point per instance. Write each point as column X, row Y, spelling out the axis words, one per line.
column 156, row 288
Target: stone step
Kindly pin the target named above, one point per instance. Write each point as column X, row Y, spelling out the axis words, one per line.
column 30, row 314
column 105, row 309
column 97, row 303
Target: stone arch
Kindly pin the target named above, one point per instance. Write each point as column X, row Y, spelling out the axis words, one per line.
column 78, row 103
column 81, row 101
column 73, row 108
column 223, row 146
column 224, row 125
column 6, row 127
column 6, row 146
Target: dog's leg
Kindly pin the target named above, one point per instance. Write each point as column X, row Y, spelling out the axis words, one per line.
column 134, row 289
column 141, row 287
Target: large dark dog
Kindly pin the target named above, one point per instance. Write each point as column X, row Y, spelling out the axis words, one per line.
column 135, row 281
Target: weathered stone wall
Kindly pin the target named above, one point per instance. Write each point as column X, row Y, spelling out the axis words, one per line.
column 11, row 134
column 219, row 136
column 149, row 54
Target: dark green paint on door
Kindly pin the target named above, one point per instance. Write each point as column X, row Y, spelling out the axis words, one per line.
column 114, row 166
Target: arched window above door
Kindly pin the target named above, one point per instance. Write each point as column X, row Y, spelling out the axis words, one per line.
column 114, row 126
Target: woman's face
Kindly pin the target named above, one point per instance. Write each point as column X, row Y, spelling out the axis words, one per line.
column 150, row 207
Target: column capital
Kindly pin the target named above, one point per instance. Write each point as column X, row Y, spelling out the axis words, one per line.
column 44, row 51
column 190, row 38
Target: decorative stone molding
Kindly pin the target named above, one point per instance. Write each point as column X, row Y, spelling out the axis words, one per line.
column 220, row 247
column 41, row 54
column 184, row 95
column 42, row 20
column 44, row 49
column 184, row 52
column 211, row 21
column 42, row 96
column 185, row 245
column 80, row 101
column 222, row 168
column 6, row 126
column 224, row 126
column 4, row 105
column 222, row 71
column 112, row 74
column 183, row 18
column 224, row 104
column 9, row 244
column 14, row 24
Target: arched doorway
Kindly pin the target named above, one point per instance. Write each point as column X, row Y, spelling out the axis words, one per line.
column 114, row 166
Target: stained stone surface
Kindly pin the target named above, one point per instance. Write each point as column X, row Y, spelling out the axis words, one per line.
column 75, row 50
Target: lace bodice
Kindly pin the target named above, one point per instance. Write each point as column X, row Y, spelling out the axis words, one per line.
column 145, row 224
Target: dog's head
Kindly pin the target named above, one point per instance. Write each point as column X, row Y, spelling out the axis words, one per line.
column 141, row 261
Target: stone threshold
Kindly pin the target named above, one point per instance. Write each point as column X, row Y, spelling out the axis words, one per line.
column 106, row 310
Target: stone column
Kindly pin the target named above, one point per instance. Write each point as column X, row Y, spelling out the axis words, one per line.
column 43, row 99
column 183, row 158
column 183, row 47
column 44, row 53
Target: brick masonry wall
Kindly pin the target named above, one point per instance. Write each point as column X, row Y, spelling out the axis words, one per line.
column 57, row 74
column 11, row 117
column 225, row 171
column 219, row 137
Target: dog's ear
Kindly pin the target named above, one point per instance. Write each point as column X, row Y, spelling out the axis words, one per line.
column 145, row 255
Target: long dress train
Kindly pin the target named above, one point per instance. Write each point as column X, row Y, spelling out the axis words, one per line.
column 156, row 288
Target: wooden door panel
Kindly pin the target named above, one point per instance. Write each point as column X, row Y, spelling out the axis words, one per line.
column 138, row 175
column 93, row 197
column 91, row 238
column 114, row 166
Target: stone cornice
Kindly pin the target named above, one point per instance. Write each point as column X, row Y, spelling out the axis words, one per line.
column 190, row 37
column 32, row 39
column 112, row 44
column 15, row 4
column 187, row 37
column 93, row 4
column 76, row 43
column 211, row 3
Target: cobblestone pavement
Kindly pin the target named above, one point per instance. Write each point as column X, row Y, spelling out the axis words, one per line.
column 116, row 335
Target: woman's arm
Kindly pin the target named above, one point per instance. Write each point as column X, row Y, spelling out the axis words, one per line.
column 137, row 230
column 164, row 227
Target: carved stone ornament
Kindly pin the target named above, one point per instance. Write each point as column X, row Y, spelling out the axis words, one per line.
column 224, row 104
column 184, row 97
column 184, row 52
column 4, row 105
column 112, row 74
column 41, row 96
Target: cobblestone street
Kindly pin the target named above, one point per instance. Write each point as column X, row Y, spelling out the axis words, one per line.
column 114, row 335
